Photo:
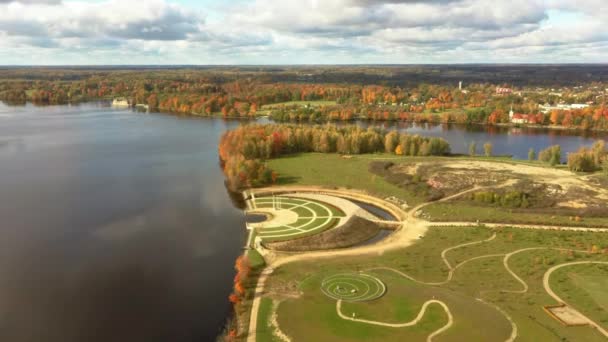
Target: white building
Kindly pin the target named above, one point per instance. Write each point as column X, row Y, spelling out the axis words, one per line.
column 546, row 108
column 120, row 102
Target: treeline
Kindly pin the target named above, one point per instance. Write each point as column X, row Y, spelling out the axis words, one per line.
column 405, row 113
column 243, row 150
column 220, row 91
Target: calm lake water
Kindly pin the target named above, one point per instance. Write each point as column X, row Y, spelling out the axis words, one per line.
column 116, row 225
column 505, row 140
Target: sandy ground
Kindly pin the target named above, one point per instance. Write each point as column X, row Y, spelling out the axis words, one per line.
column 562, row 178
column 278, row 217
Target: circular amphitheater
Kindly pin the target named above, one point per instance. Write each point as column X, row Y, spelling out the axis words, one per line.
column 353, row 287
column 292, row 218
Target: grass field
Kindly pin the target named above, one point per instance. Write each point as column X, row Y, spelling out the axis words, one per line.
column 454, row 211
column 264, row 331
column 586, row 288
column 331, row 170
column 314, row 314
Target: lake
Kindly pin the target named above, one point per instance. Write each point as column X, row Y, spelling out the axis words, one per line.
column 505, row 140
column 116, row 225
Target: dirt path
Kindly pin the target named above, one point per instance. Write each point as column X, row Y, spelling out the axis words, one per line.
column 405, row 324
column 514, row 330
column 508, row 256
column 547, row 287
column 520, row 226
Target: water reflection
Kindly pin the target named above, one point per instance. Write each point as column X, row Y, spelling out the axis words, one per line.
column 116, row 226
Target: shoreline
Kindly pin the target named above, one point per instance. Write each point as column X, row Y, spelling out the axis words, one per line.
column 576, row 130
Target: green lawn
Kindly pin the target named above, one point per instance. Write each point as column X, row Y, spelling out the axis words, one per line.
column 585, row 287
column 461, row 212
column 264, row 332
column 313, row 315
column 332, row 170
column 255, row 259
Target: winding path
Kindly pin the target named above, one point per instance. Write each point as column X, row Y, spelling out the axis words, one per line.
column 411, row 323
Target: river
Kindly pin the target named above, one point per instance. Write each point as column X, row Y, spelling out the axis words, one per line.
column 116, row 225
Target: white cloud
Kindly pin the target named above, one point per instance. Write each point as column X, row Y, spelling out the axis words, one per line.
column 307, row 31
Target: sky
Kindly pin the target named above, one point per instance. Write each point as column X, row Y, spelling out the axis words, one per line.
column 210, row 32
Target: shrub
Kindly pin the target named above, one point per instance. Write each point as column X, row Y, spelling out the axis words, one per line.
column 487, row 149
column 551, row 155
column 589, row 159
column 582, row 161
column 513, row 199
column 531, row 154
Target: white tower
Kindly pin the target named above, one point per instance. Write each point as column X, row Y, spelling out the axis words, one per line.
column 511, row 114
column 460, row 85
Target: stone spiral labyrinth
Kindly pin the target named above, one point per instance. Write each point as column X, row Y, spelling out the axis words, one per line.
column 353, row 287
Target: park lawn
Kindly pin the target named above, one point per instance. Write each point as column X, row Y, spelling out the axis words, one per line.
column 313, row 315
column 299, row 103
column 585, row 287
column 256, row 261
column 332, row 171
column 461, row 212
column 264, row 331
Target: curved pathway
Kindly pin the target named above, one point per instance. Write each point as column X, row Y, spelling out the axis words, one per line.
column 550, row 292
column 513, row 335
column 508, row 256
column 411, row 323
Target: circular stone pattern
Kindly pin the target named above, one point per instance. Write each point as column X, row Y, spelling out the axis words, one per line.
column 353, row 287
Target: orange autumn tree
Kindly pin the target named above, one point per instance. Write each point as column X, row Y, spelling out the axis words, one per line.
column 243, row 268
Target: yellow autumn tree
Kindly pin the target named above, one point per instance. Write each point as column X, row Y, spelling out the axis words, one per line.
column 399, row 150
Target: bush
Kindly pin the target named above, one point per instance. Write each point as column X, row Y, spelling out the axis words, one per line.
column 472, row 149
column 589, row 159
column 513, row 199
column 582, row 161
column 531, row 154
column 487, row 149
column 551, row 155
